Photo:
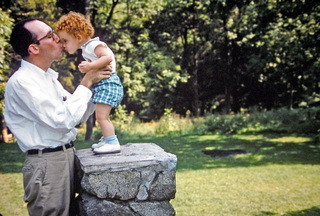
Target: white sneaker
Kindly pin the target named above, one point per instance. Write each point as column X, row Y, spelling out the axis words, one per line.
column 107, row 149
column 99, row 144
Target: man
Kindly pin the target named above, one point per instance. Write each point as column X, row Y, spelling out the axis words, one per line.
column 42, row 116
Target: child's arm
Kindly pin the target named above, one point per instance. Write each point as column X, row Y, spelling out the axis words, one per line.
column 105, row 57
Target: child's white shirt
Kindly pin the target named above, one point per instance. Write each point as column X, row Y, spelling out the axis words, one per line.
column 89, row 55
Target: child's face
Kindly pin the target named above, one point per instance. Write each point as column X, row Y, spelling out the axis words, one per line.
column 71, row 43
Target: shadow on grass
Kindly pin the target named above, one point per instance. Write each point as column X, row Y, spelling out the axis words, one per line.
column 314, row 211
column 262, row 149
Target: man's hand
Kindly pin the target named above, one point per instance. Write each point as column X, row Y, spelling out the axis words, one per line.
column 94, row 76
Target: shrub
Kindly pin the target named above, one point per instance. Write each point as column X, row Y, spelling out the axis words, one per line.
column 171, row 123
column 275, row 121
column 223, row 124
column 280, row 120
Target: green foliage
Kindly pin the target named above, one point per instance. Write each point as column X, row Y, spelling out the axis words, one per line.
column 292, row 50
column 167, row 123
column 122, row 122
column 162, row 77
column 122, row 119
column 5, row 30
column 303, row 121
column 189, row 55
column 226, row 124
column 42, row 9
column 298, row 121
column 128, row 125
column 247, row 51
column 2, row 90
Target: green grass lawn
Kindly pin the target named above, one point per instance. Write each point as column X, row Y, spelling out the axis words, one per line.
column 279, row 175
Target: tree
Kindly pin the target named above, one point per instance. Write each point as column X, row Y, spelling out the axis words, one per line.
column 5, row 30
column 199, row 55
column 288, row 47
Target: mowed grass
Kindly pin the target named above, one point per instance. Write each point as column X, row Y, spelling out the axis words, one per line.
column 279, row 175
column 265, row 190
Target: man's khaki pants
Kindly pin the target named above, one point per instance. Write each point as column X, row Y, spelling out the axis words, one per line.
column 48, row 182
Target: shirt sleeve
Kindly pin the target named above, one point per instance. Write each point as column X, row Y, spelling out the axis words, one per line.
column 92, row 46
column 52, row 112
column 90, row 54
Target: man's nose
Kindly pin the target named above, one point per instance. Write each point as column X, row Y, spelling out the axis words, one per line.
column 56, row 38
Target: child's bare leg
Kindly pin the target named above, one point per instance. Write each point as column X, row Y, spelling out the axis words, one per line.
column 102, row 117
column 109, row 143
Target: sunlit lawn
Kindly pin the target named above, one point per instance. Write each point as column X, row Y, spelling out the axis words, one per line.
column 280, row 175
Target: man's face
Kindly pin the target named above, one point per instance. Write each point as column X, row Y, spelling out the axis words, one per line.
column 49, row 48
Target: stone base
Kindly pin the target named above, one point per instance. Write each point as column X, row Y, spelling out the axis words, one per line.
column 90, row 206
column 140, row 180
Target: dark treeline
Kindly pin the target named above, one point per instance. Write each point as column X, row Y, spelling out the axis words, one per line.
column 204, row 56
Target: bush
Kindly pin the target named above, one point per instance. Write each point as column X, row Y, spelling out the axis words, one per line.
column 226, row 124
column 305, row 121
column 171, row 123
column 122, row 122
column 280, row 120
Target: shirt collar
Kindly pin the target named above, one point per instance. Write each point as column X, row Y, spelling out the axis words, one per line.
column 93, row 39
column 38, row 70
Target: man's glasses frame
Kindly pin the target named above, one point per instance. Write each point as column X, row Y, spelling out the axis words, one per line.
column 50, row 34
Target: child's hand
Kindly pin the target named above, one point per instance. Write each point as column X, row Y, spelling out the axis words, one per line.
column 84, row 67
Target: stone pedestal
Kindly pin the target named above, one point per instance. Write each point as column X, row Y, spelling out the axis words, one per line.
column 139, row 181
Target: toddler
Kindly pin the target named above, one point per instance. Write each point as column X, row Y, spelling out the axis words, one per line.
column 76, row 32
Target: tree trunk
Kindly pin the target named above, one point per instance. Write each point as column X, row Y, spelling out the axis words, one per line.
column 114, row 4
column 227, row 74
column 89, row 130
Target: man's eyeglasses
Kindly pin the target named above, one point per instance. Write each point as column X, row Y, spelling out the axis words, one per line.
column 50, row 34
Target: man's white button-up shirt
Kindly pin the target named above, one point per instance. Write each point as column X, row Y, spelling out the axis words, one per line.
column 40, row 112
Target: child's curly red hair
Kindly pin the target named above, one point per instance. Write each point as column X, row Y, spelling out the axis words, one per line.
column 75, row 23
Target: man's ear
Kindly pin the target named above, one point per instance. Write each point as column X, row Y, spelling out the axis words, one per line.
column 34, row 49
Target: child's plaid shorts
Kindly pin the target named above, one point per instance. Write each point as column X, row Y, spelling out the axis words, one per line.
column 108, row 91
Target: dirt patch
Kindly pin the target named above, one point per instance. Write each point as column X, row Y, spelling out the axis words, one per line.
column 224, row 153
